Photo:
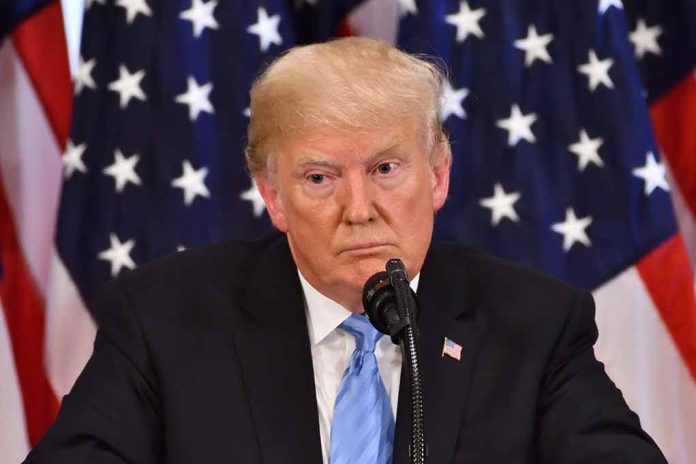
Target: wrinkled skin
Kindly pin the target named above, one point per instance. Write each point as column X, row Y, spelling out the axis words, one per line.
column 349, row 202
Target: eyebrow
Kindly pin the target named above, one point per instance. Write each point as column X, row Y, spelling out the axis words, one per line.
column 311, row 161
column 383, row 149
column 307, row 161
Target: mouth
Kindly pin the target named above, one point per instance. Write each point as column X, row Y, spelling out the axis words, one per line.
column 366, row 248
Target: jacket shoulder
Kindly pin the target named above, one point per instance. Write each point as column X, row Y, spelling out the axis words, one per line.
column 502, row 285
column 489, row 267
column 190, row 278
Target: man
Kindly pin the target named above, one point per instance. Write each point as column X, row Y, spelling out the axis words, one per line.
column 254, row 352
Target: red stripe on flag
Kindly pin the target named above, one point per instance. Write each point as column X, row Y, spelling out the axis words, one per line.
column 24, row 313
column 345, row 29
column 674, row 121
column 40, row 42
column 666, row 273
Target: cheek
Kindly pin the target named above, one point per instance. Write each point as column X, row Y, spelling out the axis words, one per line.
column 315, row 220
column 413, row 218
column 414, row 202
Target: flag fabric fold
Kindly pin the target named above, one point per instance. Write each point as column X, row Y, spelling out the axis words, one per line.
column 34, row 117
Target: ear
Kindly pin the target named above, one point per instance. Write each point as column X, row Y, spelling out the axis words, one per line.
column 269, row 192
column 441, row 178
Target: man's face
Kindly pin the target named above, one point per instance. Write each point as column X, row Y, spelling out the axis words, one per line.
column 350, row 201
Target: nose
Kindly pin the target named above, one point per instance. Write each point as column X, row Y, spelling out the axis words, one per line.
column 358, row 201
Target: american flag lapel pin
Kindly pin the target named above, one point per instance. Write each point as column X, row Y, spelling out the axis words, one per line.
column 452, row 349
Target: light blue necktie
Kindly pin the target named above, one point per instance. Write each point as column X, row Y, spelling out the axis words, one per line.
column 362, row 429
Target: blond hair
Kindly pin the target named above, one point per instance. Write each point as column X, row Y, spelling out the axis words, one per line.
column 354, row 83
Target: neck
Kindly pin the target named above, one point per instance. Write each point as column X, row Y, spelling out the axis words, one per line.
column 350, row 301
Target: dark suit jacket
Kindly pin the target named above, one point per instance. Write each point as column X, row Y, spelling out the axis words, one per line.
column 204, row 357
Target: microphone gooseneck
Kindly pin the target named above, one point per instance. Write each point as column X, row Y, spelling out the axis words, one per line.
column 391, row 306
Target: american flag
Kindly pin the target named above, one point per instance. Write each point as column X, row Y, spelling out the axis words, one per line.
column 452, row 349
column 34, row 120
column 555, row 165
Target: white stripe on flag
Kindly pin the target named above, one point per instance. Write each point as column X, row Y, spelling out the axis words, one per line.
column 73, row 15
column 14, row 442
column 70, row 330
column 30, row 164
column 378, row 19
column 642, row 359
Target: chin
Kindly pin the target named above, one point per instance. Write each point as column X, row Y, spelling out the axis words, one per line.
column 355, row 271
column 366, row 268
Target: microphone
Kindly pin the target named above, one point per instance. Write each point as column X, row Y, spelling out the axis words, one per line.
column 390, row 304
column 381, row 300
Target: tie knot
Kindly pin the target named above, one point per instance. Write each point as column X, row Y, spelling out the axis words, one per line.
column 360, row 327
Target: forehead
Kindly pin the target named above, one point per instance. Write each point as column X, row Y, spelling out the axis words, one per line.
column 349, row 144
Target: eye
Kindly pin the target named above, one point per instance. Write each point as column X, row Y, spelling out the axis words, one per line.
column 386, row 168
column 316, row 178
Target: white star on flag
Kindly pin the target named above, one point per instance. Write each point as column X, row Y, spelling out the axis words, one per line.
column 466, row 21
column 534, row 46
column 501, row 204
column 197, row 98
column 407, row 7
column 587, row 150
column 518, row 125
column 72, row 159
column 644, row 39
column 118, row 255
column 266, row 27
column 254, row 196
column 573, row 229
column 452, row 102
column 123, row 170
column 128, row 85
column 247, row 112
column 604, row 5
column 653, row 174
column 192, row 182
column 83, row 75
column 597, row 71
column 133, row 8
column 201, row 16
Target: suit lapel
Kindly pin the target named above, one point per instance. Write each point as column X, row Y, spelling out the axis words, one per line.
column 447, row 308
column 274, row 352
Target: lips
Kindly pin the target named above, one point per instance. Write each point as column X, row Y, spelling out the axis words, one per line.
column 365, row 246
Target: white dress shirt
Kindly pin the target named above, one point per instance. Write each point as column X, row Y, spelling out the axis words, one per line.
column 332, row 348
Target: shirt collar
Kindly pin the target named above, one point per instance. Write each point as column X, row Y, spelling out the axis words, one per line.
column 324, row 314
